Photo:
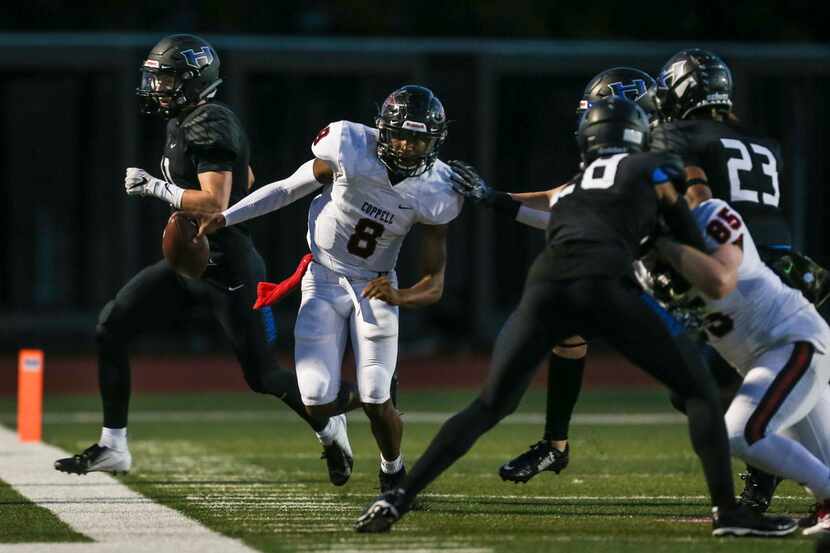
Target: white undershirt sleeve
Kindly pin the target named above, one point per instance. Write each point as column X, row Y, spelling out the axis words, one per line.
column 535, row 218
column 274, row 195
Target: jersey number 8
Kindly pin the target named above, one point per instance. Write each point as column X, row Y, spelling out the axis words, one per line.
column 364, row 240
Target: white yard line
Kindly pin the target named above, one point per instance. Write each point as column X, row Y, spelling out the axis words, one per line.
column 117, row 518
column 214, row 416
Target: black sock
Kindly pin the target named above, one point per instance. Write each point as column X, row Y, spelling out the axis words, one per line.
column 283, row 384
column 455, row 438
column 711, row 444
column 564, row 385
column 114, row 383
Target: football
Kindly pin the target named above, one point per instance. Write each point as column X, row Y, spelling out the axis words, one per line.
column 188, row 258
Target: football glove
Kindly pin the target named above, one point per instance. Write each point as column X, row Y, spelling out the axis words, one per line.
column 466, row 181
column 139, row 182
column 802, row 273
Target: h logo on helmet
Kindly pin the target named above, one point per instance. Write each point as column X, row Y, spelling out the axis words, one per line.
column 632, row 91
column 198, row 58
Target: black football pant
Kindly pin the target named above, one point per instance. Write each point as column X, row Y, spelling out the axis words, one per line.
column 629, row 320
column 157, row 297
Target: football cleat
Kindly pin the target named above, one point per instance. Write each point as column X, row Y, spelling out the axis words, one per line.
column 385, row 510
column 97, row 458
column 822, row 524
column 811, row 519
column 338, row 454
column 743, row 521
column 541, row 456
column 758, row 490
column 389, row 482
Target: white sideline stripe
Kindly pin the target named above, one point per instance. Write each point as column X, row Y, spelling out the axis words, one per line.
column 214, row 416
column 117, row 518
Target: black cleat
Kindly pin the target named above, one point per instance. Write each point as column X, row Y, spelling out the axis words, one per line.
column 759, row 488
column 97, row 458
column 743, row 521
column 338, row 454
column 339, row 464
column 385, row 510
column 389, row 482
column 540, row 457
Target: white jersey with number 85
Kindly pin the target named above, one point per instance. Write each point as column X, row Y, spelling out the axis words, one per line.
column 762, row 312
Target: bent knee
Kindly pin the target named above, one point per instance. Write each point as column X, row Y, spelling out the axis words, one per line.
column 107, row 323
column 574, row 347
column 376, row 410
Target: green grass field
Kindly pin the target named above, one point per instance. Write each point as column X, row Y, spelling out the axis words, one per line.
column 242, row 466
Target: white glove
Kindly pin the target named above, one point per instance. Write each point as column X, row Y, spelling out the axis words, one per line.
column 139, row 182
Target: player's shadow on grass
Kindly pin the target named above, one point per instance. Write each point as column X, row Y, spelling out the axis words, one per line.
column 566, row 508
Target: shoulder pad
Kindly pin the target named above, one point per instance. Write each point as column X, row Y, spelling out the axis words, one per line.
column 668, row 137
column 438, row 202
column 213, row 127
column 326, row 145
column 719, row 224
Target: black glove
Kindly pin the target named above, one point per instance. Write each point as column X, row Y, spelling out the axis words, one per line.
column 466, row 181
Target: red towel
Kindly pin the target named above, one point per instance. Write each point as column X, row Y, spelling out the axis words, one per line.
column 268, row 293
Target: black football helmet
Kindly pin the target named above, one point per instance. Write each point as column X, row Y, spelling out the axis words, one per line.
column 626, row 82
column 411, row 126
column 612, row 125
column 179, row 72
column 693, row 79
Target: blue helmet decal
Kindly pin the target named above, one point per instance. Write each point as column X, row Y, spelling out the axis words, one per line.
column 632, row 91
column 199, row 58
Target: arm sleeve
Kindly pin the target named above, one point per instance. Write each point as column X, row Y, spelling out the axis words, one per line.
column 274, row 195
column 535, row 218
column 679, row 219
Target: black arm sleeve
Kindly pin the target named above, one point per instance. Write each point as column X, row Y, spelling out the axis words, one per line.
column 683, row 226
column 504, row 203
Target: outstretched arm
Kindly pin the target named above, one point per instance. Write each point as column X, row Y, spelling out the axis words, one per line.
column 305, row 180
column 529, row 208
column 430, row 287
column 715, row 275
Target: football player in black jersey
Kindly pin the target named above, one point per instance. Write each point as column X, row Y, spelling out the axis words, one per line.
column 583, row 284
column 741, row 166
column 205, row 166
column 567, row 362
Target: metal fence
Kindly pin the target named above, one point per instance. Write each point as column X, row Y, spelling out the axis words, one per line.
column 70, row 237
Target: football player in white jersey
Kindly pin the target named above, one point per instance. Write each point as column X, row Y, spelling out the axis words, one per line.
column 377, row 183
column 779, row 420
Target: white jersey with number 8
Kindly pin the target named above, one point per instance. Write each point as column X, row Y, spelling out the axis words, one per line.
column 762, row 312
column 356, row 226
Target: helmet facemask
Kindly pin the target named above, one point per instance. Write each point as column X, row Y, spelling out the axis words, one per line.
column 407, row 152
column 160, row 92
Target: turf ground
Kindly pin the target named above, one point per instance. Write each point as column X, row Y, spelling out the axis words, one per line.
column 244, row 466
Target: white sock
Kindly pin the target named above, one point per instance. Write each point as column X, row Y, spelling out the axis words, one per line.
column 391, row 467
column 114, row 438
column 326, row 435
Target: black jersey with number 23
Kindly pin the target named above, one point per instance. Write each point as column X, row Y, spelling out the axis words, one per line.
column 741, row 167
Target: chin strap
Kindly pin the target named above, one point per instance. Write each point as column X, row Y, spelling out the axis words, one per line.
column 268, row 293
